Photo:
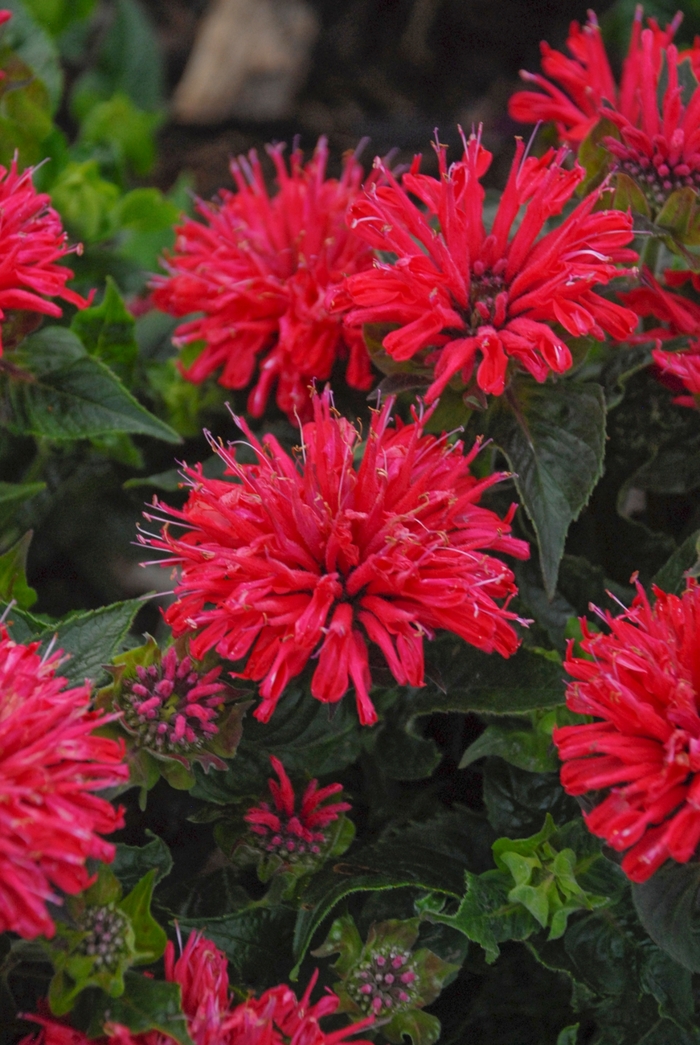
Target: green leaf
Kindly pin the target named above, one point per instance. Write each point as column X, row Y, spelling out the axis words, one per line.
column 529, row 749
column 569, row 1035
column 107, row 331
column 126, row 131
column 517, row 801
column 150, row 938
column 129, row 61
column 553, row 436
column 85, row 200
column 668, row 906
column 70, row 395
column 421, row 1027
column 307, row 736
column 56, row 15
column 131, row 862
column 13, row 574
column 593, row 155
column 462, row 678
column 685, row 562
column 145, row 1005
column 91, row 638
column 486, row 915
column 427, row 856
column 35, row 47
column 146, row 210
column 14, row 494
column 25, row 111
column 256, row 939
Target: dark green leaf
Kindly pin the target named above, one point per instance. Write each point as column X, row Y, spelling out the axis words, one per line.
column 107, row 331
column 129, row 60
column 428, row 856
column 14, row 494
column 462, row 678
column 13, row 574
column 517, row 801
column 684, row 561
column 553, row 436
column 133, row 861
column 257, row 940
column 91, row 638
column 70, row 395
column 309, row 737
column 569, row 1036
column 145, row 1005
column 669, row 909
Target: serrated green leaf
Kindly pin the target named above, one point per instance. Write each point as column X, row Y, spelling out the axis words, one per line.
column 553, row 436
column 462, row 678
column 421, row 1027
column 107, row 331
column 429, row 856
column 517, row 801
column 302, row 733
column 13, row 574
column 257, row 941
column 145, row 1005
column 70, row 395
column 91, row 638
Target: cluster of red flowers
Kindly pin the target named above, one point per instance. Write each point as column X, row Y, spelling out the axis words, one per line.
column 642, row 680
column 287, row 831
column 657, row 145
column 276, row 1018
column 51, row 762
column 291, row 561
column 32, row 242
column 260, row 269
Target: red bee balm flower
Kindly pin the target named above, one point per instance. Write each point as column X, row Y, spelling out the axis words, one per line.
column 287, row 832
column 32, row 241
column 260, row 268
column 277, row 1017
column 50, row 763
column 644, row 684
column 459, row 293
column 288, row 563
column 582, row 83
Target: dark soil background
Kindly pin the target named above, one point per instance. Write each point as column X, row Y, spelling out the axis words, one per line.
column 393, row 70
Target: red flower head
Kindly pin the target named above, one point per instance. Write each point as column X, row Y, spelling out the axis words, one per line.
column 660, row 143
column 583, row 83
column 32, row 241
column 287, row 563
column 260, row 268
column 276, row 1018
column 460, row 294
column 50, row 763
column 287, row 831
column 643, row 684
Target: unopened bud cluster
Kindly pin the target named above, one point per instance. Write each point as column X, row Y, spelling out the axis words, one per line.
column 106, row 940
column 170, row 707
column 291, row 840
column 384, row 984
column 657, row 177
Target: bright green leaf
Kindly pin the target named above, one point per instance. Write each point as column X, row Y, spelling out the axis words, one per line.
column 107, row 331
column 145, row 1005
column 13, row 574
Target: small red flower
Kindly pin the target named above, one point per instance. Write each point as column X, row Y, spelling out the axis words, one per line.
column 678, row 316
column 260, row 269
column 459, row 294
column 276, row 1018
column 643, row 686
column 50, row 764
column 290, row 562
column 32, row 241
column 284, row 830
column 581, row 84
